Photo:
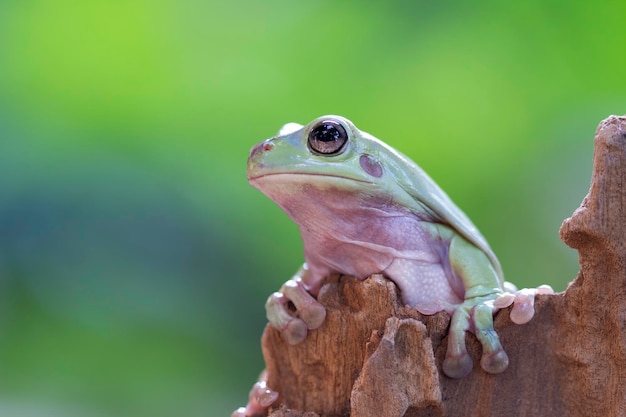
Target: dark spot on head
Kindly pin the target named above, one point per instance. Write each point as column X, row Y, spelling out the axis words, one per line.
column 371, row 165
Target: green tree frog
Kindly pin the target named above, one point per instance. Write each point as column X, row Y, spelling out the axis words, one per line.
column 364, row 208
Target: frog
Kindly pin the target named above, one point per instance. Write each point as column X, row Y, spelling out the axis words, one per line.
column 363, row 208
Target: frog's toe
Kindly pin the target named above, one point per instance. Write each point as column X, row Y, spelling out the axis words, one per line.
column 240, row 412
column 494, row 362
column 457, row 363
column 523, row 310
column 504, row 300
column 294, row 331
column 259, row 399
column 457, row 366
column 494, row 359
column 276, row 310
column 524, row 303
column 313, row 314
column 307, row 307
column 263, row 395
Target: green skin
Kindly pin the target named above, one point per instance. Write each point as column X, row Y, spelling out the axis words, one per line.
column 414, row 234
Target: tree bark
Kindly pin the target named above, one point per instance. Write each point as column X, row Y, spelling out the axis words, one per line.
column 375, row 357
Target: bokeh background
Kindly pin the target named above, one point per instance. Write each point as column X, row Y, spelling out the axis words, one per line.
column 135, row 259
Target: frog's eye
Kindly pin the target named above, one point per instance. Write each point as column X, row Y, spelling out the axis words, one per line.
column 328, row 137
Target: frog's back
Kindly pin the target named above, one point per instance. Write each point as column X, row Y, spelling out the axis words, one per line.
column 427, row 195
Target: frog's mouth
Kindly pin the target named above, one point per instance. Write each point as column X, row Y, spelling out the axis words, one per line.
column 305, row 177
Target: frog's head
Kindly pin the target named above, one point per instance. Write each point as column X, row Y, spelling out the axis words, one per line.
column 330, row 150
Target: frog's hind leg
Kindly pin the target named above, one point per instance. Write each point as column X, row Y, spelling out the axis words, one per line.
column 475, row 314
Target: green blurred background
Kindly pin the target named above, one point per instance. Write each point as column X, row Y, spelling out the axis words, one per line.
column 134, row 257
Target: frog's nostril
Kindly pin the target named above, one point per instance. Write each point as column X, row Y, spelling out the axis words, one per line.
column 259, row 148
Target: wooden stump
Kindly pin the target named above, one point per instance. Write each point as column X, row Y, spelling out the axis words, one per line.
column 373, row 357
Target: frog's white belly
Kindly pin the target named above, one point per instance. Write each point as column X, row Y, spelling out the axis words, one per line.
column 395, row 243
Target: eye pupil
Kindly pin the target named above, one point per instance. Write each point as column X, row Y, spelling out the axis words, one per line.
column 328, row 137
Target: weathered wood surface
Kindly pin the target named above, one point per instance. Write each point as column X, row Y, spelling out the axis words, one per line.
column 374, row 358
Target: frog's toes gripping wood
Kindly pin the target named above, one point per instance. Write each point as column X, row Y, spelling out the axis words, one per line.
column 259, row 399
column 294, row 325
column 523, row 302
column 475, row 316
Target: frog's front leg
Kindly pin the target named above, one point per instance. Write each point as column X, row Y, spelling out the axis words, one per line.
column 475, row 314
column 308, row 314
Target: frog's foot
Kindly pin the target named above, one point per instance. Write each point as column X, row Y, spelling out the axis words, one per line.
column 260, row 398
column 294, row 324
column 523, row 302
column 475, row 315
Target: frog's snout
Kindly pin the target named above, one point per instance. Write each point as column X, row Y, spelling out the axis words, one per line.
column 255, row 159
column 260, row 148
column 258, row 151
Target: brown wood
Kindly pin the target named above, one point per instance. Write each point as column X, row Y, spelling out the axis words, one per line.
column 374, row 358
